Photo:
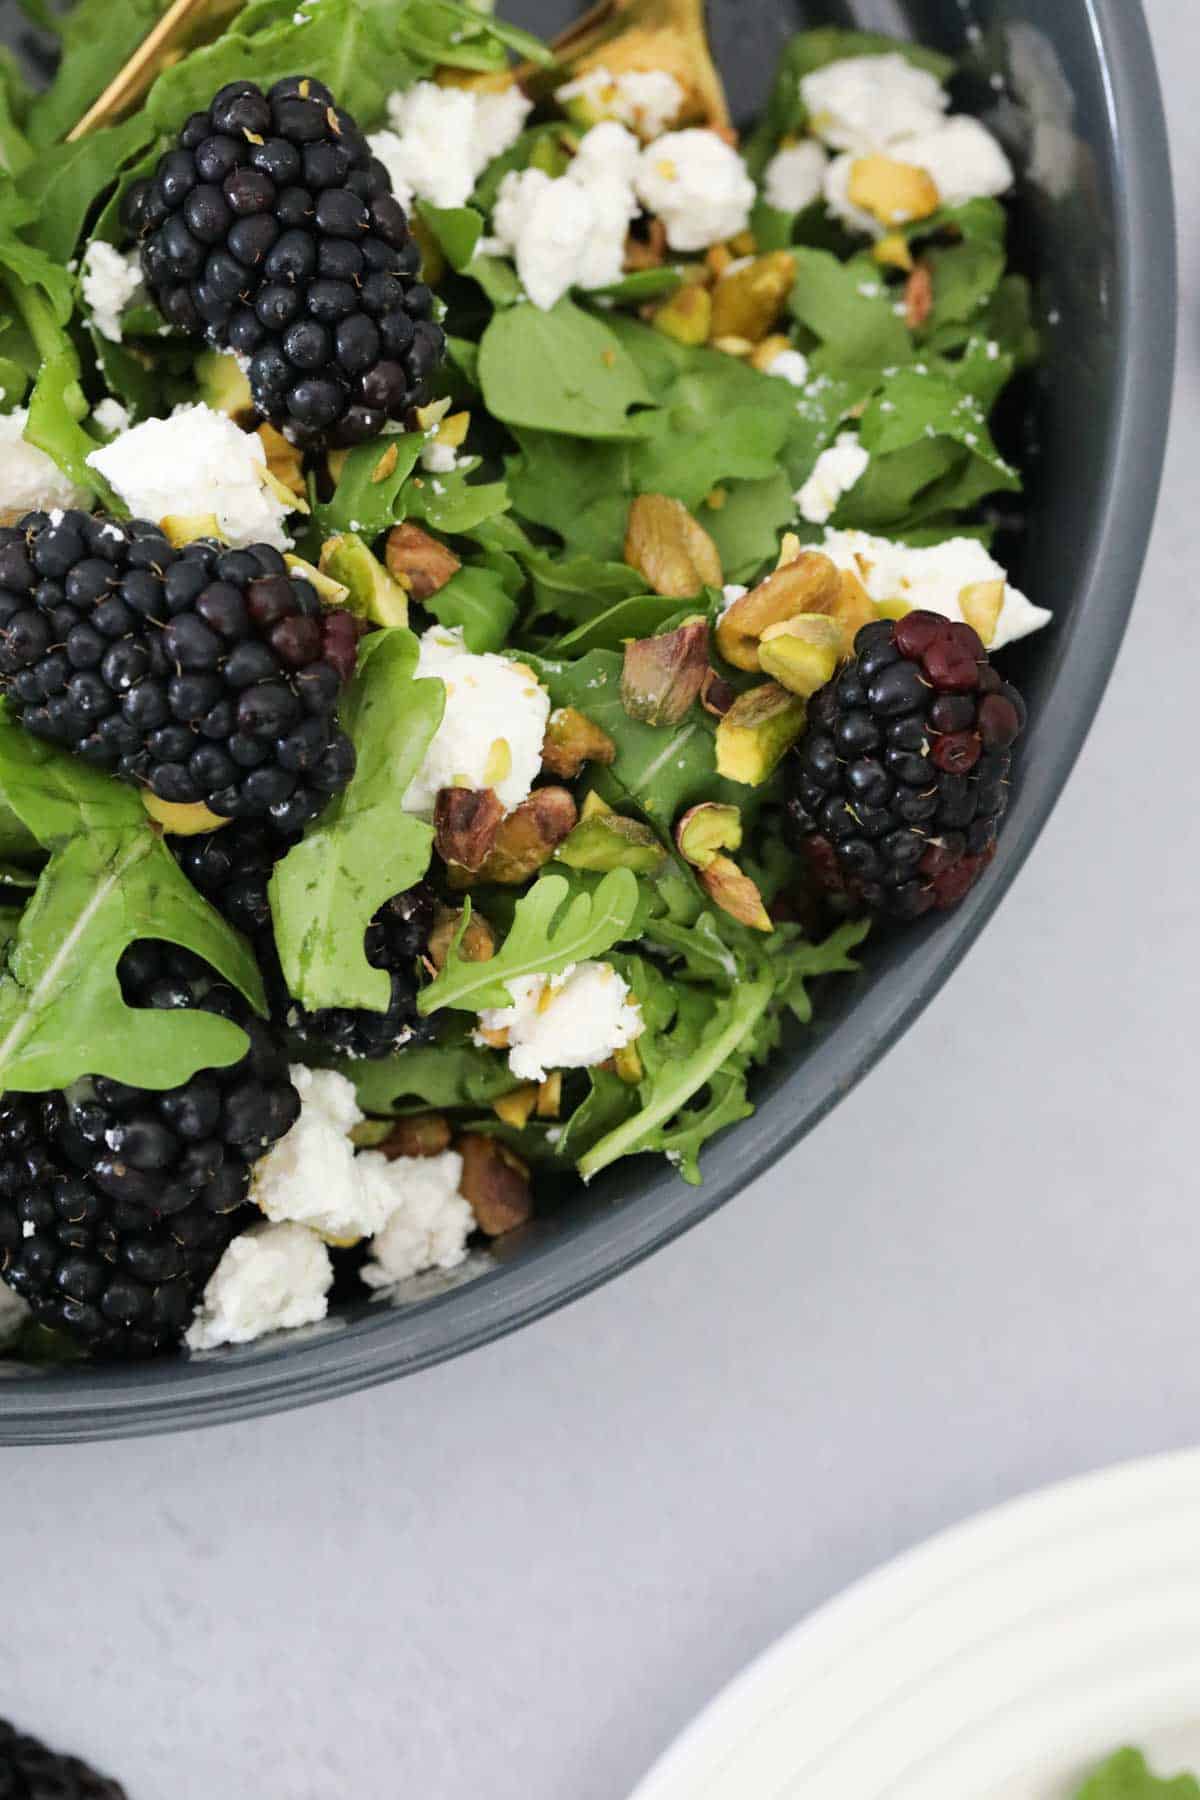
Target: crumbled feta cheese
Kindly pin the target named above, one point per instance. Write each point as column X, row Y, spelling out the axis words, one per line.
column 429, row 1222
column 13, row 1313
column 790, row 365
column 572, row 1020
column 963, row 158
column 29, row 479
column 491, row 731
column 793, row 178
column 933, row 577
column 570, row 232
column 837, row 470
column 697, row 185
column 864, row 103
column 310, row 1176
column 443, row 138
column 110, row 280
column 438, row 459
column 648, row 100
column 271, row 1278
column 110, row 416
column 733, row 590
column 196, row 462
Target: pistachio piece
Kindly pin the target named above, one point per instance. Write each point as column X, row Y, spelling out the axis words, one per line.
column 662, row 676
column 333, row 593
column 892, row 252
column 801, row 653
column 371, row 1134
column 716, row 695
column 608, row 841
column 759, row 727
column 495, row 1183
column 707, row 829
column 418, row 561
column 809, row 584
column 516, row 1109
column 749, row 297
column 627, row 1064
column 529, row 836
column 549, row 1096
column 478, row 942
column 852, row 609
column 179, row 819
column 895, row 193
column 465, row 823
column 666, row 545
column 981, row 603
column 686, row 316
column 223, row 384
column 571, row 740
column 421, row 1134
column 185, row 528
column 735, row 893
column 918, row 297
column 593, row 806
column 284, row 460
column 638, row 36
column 370, row 590
column 766, row 352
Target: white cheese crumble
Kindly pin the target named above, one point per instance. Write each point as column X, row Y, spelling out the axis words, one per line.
column 572, row 1020
column 110, row 279
column 933, row 577
column 492, row 730
column 310, row 1176
column 29, row 479
column 698, row 186
column 731, row 592
column 570, row 231
column 647, row 100
column 429, row 1221
column 195, row 462
column 271, row 1278
column 794, row 176
column 438, row 459
column 110, row 416
column 864, row 103
column 443, row 138
column 962, row 157
column 790, row 365
column 836, row 472
column 13, row 1313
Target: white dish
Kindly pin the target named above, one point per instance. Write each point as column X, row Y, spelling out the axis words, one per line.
column 1000, row 1661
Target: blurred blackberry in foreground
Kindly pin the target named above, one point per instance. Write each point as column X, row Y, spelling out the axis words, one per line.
column 900, row 782
column 203, row 673
column 116, row 1202
column 232, row 868
column 272, row 231
column 28, row 1771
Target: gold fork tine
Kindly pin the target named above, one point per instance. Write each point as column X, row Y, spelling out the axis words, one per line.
column 156, row 52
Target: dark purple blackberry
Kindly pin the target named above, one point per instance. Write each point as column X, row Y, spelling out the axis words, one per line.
column 901, row 779
column 232, row 868
column 117, row 1202
column 28, row 1771
column 203, row 673
column 272, row 231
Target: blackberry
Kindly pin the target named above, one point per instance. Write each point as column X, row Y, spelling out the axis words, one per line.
column 272, row 231
column 117, row 1202
column 901, row 779
column 232, row 868
column 203, row 673
column 28, row 1771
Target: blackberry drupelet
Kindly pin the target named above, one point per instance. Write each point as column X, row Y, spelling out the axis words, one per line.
column 117, row 1202
column 272, row 231
column 203, row 673
column 232, row 868
column 901, row 779
column 29, row 1771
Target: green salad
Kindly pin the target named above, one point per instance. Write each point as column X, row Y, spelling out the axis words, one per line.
column 1127, row 1776
column 495, row 597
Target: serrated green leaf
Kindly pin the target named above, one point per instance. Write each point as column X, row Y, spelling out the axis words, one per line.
column 477, row 600
column 562, row 371
column 362, row 504
column 1127, row 1776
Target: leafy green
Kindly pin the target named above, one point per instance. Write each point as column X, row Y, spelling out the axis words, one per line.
column 476, row 599
column 1127, row 1776
column 574, row 488
column 66, row 180
column 850, row 309
column 561, row 371
column 746, row 526
column 362, row 504
column 365, row 847
column 98, row 38
column 608, row 630
column 577, row 587
column 450, row 1072
column 451, row 503
column 457, row 230
column 551, row 927
column 931, row 452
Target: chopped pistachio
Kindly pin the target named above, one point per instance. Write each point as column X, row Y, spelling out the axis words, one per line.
column 707, row 829
column 671, row 549
column 810, row 584
column 609, row 841
column 179, row 819
column 759, row 727
column 735, row 893
column 801, row 653
column 370, row 590
column 662, row 676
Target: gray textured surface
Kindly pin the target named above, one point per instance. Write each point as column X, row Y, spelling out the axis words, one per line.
column 515, row 1577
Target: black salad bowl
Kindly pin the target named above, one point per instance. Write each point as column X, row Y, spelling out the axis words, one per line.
column 1070, row 86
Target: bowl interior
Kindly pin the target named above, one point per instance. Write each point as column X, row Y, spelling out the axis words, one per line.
column 1070, row 87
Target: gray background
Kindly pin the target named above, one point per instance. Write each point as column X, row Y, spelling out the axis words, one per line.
column 516, row 1577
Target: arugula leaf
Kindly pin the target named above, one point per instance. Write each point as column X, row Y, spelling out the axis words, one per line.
column 579, row 490
column 457, row 229
column 562, row 371
column 573, row 587
column 51, row 797
column 451, row 503
column 476, row 599
column 850, row 309
column 545, row 936
column 795, row 961
column 98, row 38
column 967, row 271
column 365, row 847
column 720, row 420
column 1127, row 1776
column 66, row 180
column 746, row 526
column 359, row 502
column 634, row 618
column 452, row 1072
column 636, row 289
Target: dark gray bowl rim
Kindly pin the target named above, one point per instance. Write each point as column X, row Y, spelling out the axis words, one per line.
column 63, row 1406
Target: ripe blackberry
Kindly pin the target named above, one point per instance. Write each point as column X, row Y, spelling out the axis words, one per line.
column 232, row 868
column 117, row 1202
column 202, row 673
column 272, row 231
column 29, row 1771
column 901, row 779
